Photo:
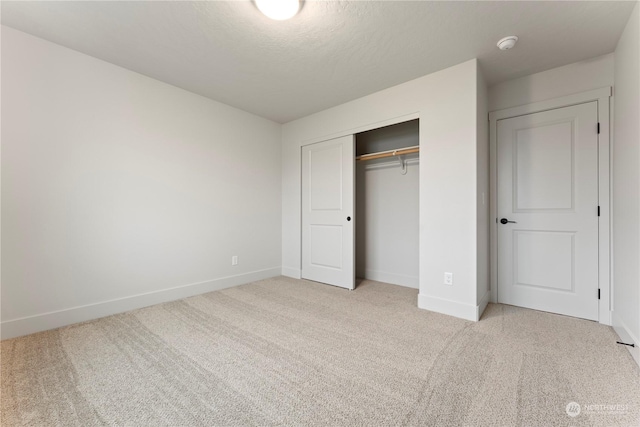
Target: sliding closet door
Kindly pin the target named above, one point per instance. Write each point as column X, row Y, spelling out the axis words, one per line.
column 328, row 215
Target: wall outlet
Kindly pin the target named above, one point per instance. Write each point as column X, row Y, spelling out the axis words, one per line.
column 448, row 279
column 234, row 260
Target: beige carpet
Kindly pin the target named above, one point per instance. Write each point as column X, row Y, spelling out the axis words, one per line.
column 290, row 352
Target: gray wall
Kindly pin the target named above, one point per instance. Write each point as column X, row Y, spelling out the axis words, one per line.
column 446, row 103
column 626, row 185
column 482, row 192
column 120, row 191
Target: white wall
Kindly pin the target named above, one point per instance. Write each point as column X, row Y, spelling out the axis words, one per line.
column 626, row 185
column 446, row 102
column 387, row 209
column 557, row 82
column 482, row 193
column 117, row 188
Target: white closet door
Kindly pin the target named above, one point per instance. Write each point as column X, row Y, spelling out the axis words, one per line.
column 548, row 211
column 328, row 215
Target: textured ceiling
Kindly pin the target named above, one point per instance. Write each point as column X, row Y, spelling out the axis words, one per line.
column 330, row 53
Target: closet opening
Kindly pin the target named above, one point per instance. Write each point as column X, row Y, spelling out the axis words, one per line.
column 387, row 204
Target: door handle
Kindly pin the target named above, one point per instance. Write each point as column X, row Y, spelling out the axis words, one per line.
column 348, row 218
column 505, row 220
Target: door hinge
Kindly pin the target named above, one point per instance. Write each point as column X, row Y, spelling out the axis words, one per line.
column 598, row 210
column 598, row 127
column 598, row 293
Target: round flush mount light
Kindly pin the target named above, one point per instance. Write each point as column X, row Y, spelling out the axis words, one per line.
column 507, row 42
column 278, row 9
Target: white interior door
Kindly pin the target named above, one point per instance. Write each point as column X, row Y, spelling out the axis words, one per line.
column 328, row 215
column 548, row 188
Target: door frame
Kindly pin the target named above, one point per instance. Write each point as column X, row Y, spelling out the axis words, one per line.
column 602, row 97
column 352, row 131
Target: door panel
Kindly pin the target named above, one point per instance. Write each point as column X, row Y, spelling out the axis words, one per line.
column 328, row 216
column 544, row 259
column 537, row 151
column 325, row 178
column 548, row 187
column 322, row 237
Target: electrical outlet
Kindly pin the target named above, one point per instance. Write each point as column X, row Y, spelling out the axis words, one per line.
column 234, row 260
column 448, row 279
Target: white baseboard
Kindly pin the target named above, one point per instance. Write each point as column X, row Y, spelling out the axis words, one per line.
column 394, row 279
column 55, row 319
column 292, row 272
column 451, row 308
column 484, row 301
column 626, row 336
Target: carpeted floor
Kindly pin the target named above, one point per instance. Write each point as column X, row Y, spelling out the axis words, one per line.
column 291, row 352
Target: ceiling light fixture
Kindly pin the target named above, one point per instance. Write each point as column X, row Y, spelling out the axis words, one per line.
column 278, row 9
column 507, row 42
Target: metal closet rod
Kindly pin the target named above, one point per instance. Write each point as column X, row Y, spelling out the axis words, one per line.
column 389, row 153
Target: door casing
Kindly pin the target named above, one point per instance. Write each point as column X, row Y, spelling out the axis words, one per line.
column 353, row 131
column 602, row 96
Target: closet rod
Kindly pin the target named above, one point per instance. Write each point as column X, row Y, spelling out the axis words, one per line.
column 389, row 153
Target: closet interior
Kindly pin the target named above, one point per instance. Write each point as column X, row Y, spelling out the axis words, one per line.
column 387, row 204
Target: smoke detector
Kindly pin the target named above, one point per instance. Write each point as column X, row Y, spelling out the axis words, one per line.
column 507, row 42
